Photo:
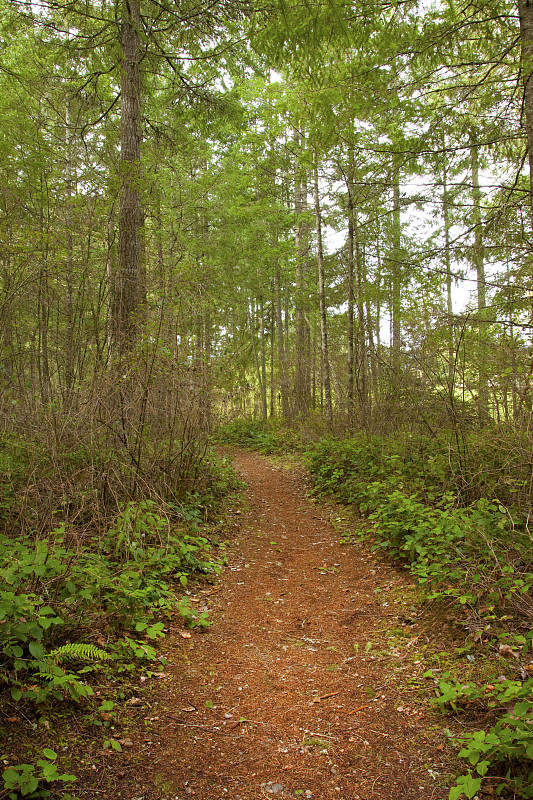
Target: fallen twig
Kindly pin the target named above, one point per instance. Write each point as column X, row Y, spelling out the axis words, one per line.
column 325, row 696
column 359, row 708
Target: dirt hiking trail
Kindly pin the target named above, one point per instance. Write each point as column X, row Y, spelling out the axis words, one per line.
column 290, row 692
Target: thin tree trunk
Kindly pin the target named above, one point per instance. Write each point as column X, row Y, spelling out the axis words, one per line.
column 69, row 266
column 302, row 366
column 272, row 355
column 322, row 302
column 43, row 363
column 373, row 392
column 264, row 404
column 286, row 303
column 207, row 378
column 282, row 358
column 447, row 264
column 376, row 355
column 350, row 327
column 6, row 324
column 251, row 320
column 360, row 337
column 396, row 266
column 479, row 264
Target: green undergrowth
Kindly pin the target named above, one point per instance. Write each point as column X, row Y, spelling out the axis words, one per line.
column 267, row 438
column 475, row 553
column 78, row 608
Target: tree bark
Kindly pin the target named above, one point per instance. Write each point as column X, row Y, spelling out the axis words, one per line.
column 262, row 388
column 322, row 302
column 479, row 265
column 272, row 353
column 128, row 285
column 43, row 364
column 396, row 300
column 447, row 264
column 525, row 11
column 264, row 403
column 350, row 327
column 360, row 338
column 282, row 358
column 302, row 383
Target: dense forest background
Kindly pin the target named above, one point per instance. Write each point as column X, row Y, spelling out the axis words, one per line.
column 312, row 216
column 280, row 211
column 312, row 212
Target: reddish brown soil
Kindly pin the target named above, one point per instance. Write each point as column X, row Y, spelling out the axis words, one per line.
column 275, row 699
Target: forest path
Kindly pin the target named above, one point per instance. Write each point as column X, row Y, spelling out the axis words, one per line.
column 299, row 689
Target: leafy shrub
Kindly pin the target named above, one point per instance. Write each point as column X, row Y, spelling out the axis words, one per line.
column 506, row 749
column 192, row 616
column 257, row 435
column 30, row 780
column 52, row 595
column 468, row 553
column 476, row 553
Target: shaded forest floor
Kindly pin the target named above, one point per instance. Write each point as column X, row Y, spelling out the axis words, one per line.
column 309, row 683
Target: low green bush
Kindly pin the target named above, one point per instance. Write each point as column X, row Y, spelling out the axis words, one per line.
column 50, row 593
column 31, row 780
column 477, row 554
column 257, row 435
column 506, row 748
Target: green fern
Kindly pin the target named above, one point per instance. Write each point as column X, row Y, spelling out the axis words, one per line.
column 78, row 651
column 48, row 669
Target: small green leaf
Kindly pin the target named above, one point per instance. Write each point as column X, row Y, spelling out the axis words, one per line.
column 50, row 772
column 36, row 649
column 50, row 754
column 9, row 776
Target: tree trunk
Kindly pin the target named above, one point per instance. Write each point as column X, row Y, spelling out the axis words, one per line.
column 70, row 278
column 282, row 358
column 206, row 372
column 272, row 354
column 525, row 11
column 361, row 332
column 43, row 364
column 396, row 301
column 128, row 285
column 479, row 264
column 447, row 264
column 264, row 404
column 302, row 386
column 350, row 326
column 322, row 302
column 262, row 388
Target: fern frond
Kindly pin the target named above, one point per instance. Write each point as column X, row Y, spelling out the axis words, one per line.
column 78, row 651
column 49, row 671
